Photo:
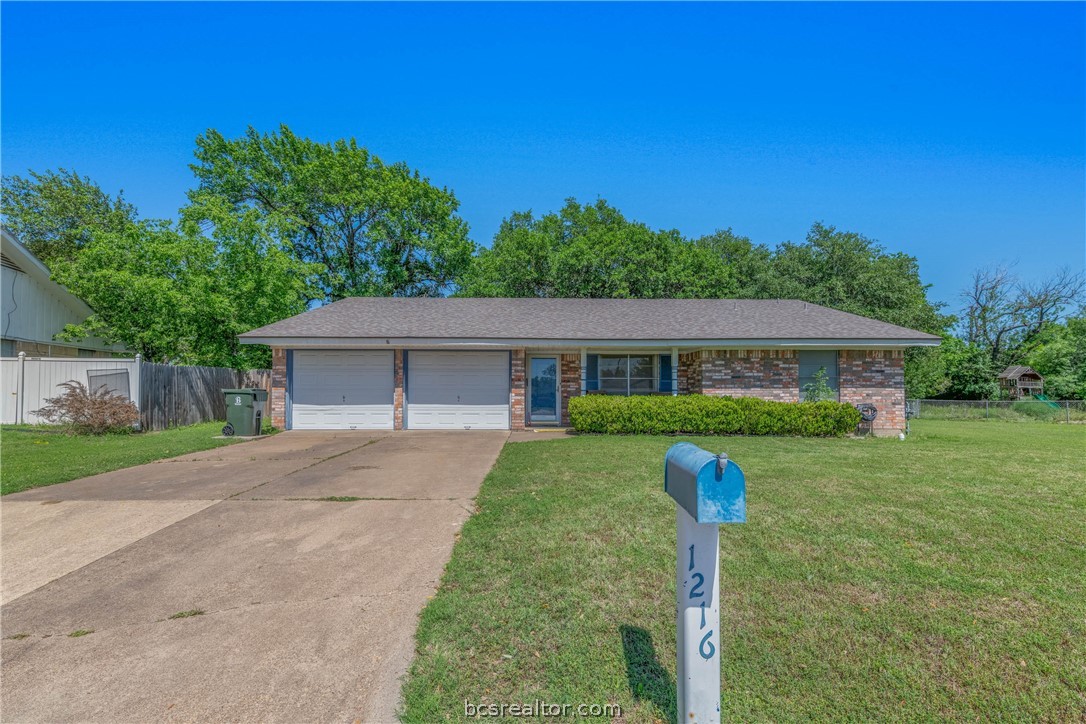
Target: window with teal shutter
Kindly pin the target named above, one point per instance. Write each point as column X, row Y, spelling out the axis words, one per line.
column 623, row 374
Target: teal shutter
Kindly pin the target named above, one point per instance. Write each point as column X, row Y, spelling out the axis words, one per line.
column 665, row 373
column 592, row 378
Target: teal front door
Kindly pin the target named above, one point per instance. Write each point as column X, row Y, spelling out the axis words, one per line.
column 542, row 390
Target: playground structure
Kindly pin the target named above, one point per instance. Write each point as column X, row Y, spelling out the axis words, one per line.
column 1021, row 382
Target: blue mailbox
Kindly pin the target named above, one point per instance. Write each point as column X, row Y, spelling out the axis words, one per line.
column 708, row 490
column 711, row 488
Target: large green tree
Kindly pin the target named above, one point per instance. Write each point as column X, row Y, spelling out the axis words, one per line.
column 374, row 228
column 1060, row 356
column 592, row 250
column 56, row 213
column 751, row 264
column 175, row 294
column 853, row 273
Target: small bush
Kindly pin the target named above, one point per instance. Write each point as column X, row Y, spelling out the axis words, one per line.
column 705, row 415
column 90, row 412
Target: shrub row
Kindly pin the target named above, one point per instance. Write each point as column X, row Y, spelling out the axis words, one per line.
column 705, row 415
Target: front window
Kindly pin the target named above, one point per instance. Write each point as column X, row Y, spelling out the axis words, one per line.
column 811, row 364
column 627, row 374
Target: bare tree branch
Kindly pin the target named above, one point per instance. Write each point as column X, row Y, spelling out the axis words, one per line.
column 1004, row 316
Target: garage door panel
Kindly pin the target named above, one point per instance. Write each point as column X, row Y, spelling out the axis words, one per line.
column 342, row 389
column 458, row 390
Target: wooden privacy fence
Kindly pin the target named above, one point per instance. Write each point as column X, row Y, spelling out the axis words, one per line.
column 166, row 395
column 172, row 395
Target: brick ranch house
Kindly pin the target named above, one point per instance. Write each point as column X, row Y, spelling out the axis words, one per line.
column 454, row 363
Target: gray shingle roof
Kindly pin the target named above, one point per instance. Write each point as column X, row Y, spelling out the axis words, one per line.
column 582, row 319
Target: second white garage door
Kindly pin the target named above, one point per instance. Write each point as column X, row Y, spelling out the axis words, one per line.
column 458, row 390
column 341, row 390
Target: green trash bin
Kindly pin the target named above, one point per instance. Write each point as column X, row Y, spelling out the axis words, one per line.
column 244, row 411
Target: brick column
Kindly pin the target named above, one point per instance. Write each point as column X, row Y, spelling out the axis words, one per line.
column 517, row 384
column 570, row 382
column 878, row 377
column 397, row 390
column 279, row 388
column 689, row 373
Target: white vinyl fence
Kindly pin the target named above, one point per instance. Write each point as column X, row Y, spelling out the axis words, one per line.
column 165, row 395
column 28, row 381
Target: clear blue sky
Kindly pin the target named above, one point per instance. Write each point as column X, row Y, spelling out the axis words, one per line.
column 953, row 132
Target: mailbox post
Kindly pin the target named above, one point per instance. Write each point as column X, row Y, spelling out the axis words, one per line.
column 708, row 490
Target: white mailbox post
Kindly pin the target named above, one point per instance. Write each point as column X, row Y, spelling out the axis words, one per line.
column 708, row 490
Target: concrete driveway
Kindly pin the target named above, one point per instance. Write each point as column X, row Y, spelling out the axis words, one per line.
column 310, row 555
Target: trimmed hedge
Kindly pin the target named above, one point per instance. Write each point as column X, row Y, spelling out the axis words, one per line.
column 705, row 415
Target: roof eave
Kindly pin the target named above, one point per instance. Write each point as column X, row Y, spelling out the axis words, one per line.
column 834, row 343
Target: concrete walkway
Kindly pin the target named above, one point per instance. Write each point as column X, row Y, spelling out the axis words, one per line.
column 309, row 600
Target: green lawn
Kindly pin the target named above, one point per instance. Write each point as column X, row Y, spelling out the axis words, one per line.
column 31, row 457
column 941, row 577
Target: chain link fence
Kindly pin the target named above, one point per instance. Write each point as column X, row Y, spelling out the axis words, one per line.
column 1066, row 411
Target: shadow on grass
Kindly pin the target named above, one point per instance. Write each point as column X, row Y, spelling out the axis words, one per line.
column 648, row 679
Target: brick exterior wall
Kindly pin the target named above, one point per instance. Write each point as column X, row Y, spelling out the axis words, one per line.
column 517, row 385
column 768, row 374
column 279, row 388
column 397, row 390
column 878, row 377
column 570, row 383
column 873, row 376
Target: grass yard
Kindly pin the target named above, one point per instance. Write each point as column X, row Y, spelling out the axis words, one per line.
column 32, row 457
column 941, row 577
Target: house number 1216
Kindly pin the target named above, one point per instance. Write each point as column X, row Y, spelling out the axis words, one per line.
column 705, row 648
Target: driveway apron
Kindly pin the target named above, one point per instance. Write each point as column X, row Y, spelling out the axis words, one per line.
column 275, row 580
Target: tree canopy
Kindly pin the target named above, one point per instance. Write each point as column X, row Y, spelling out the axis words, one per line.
column 1060, row 356
column 278, row 222
column 56, row 213
column 375, row 229
column 175, row 294
column 592, row 251
column 170, row 291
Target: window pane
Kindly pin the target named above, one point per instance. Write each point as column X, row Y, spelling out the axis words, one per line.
column 613, row 386
column 641, row 366
column 642, row 386
column 811, row 361
column 612, row 368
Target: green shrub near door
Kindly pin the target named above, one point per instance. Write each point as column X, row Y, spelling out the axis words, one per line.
column 705, row 415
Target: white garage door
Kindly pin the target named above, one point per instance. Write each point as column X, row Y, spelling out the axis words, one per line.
column 341, row 390
column 458, row 390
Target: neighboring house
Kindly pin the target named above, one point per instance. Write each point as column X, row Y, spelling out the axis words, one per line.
column 427, row 363
column 34, row 308
column 1019, row 381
